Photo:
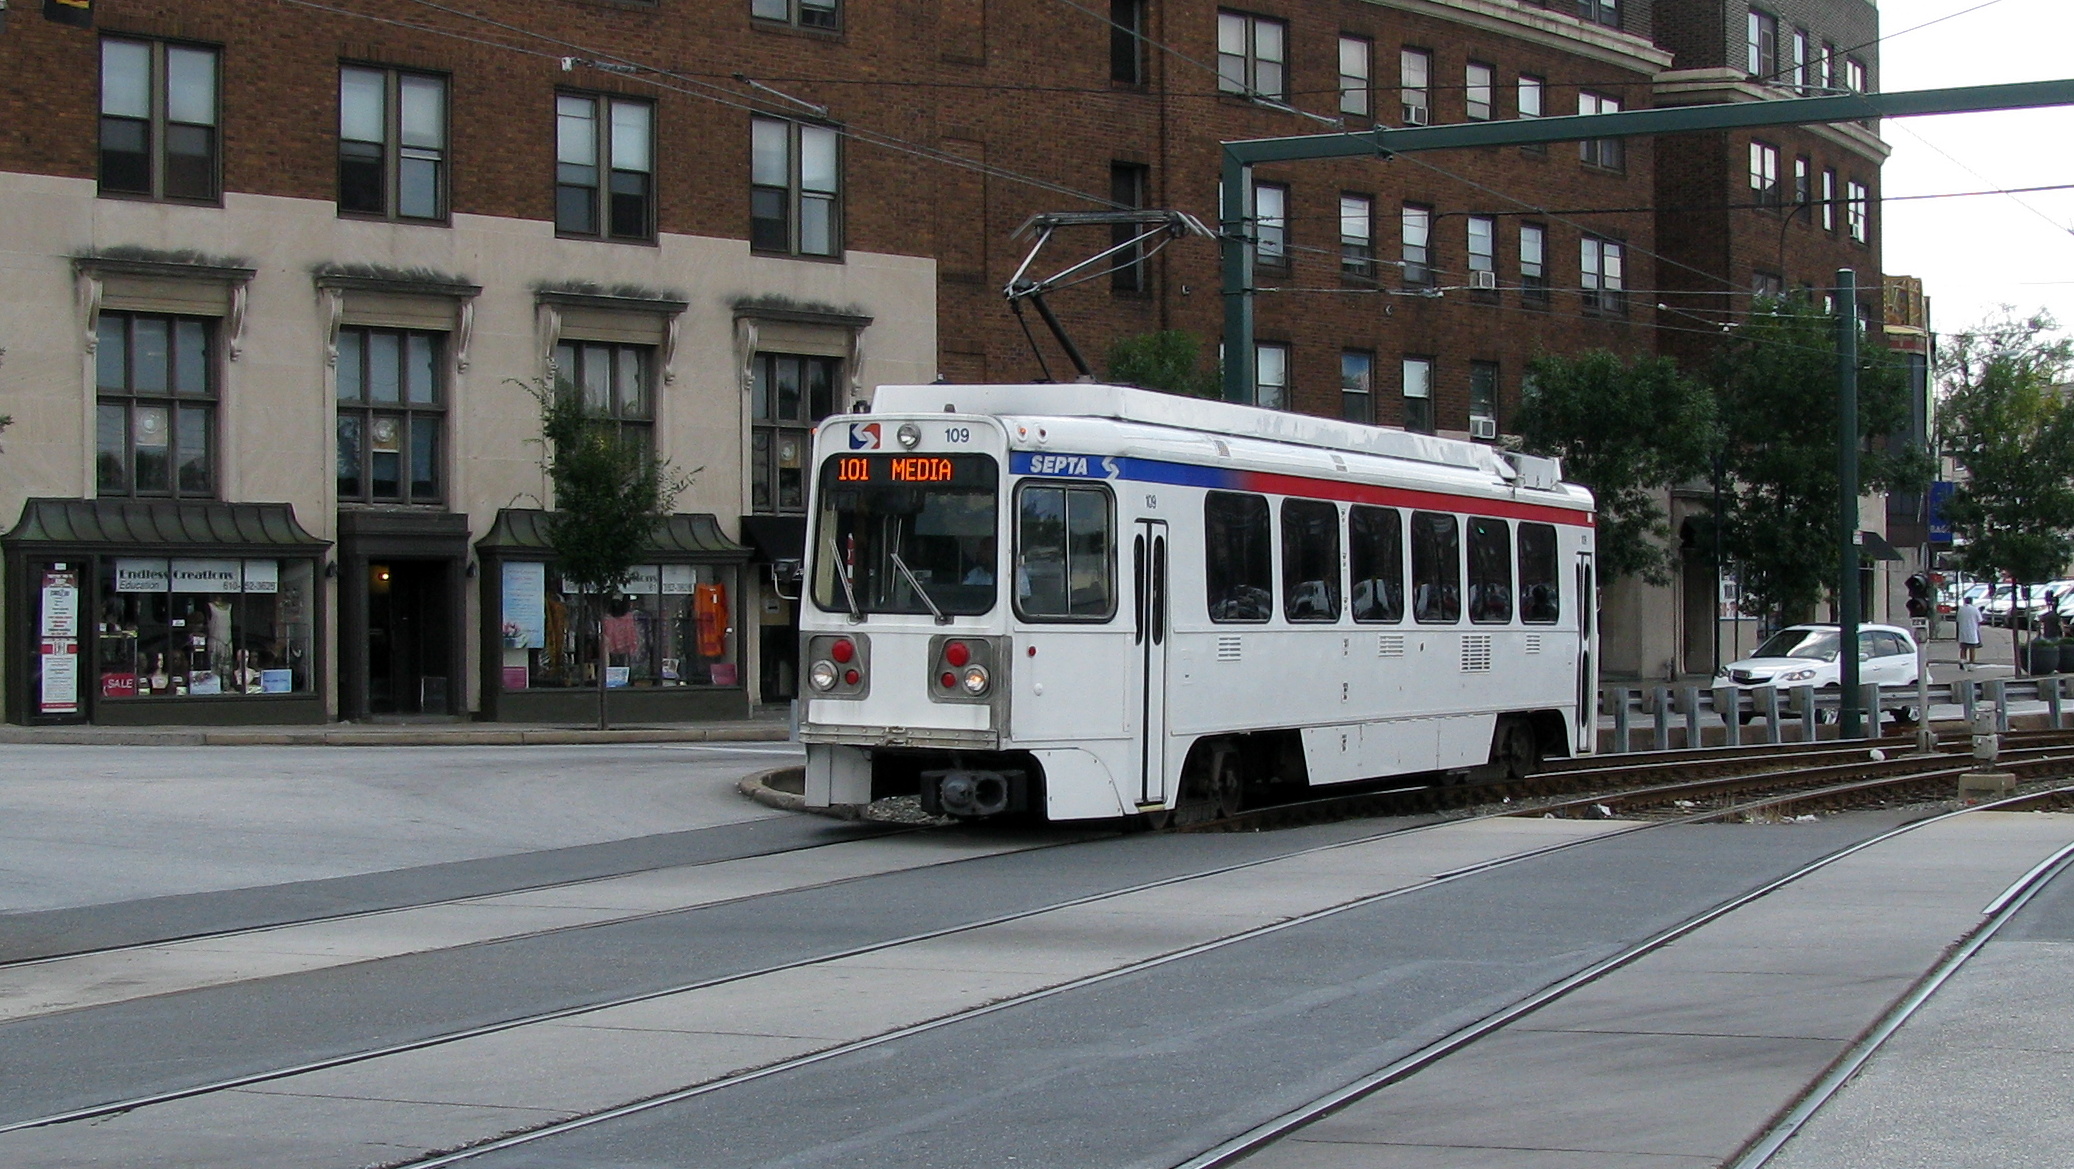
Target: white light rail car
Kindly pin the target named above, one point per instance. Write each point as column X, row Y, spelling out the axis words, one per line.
column 1087, row 602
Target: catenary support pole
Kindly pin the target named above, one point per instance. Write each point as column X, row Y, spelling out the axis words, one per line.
column 1848, row 725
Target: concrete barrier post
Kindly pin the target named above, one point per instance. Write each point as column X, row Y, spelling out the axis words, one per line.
column 1615, row 699
column 1660, row 707
column 1728, row 703
column 1804, row 702
column 1768, row 698
column 1998, row 697
column 1965, row 687
column 2050, row 689
column 1869, row 702
column 1689, row 706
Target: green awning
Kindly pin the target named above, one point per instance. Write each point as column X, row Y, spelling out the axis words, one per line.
column 684, row 536
column 164, row 523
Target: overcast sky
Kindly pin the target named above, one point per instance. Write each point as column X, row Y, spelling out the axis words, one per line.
column 1977, row 253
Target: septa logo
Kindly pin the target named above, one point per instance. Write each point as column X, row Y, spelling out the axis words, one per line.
column 864, row 436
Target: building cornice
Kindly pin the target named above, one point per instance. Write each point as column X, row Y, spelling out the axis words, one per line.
column 1688, row 87
column 1548, row 29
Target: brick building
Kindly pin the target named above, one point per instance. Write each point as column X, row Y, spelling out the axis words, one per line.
column 243, row 243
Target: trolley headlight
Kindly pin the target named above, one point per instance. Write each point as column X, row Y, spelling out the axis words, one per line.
column 822, row 675
column 976, row 680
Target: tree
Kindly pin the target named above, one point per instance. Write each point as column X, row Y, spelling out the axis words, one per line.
column 1627, row 431
column 611, row 494
column 1775, row 384
column 2011, row 432
column 1169, row 360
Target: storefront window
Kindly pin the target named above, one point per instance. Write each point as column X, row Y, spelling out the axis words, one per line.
column 672, row 626
column 190, row 627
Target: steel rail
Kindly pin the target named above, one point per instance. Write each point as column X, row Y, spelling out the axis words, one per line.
column 1252, row 1140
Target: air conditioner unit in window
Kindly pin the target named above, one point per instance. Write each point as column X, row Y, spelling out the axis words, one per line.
column 1415, row 115
column 1483, row 279
column 1480, row 427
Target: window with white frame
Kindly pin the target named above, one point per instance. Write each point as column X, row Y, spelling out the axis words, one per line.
column 1357, row 236
column 1271, row 376
column 1533, row 263
column 1858, row 211
column 1803, row 60
column 1357, row 385
column 1606, row 12
column 1764, row 173
column 1855, row 75
column 1803, row 181
column 604, row 167
column 1356, row 70
column 795, row 194
column 1483, row 392
column 1829, row 199
column 822, row 14
column 1271, row 225
column 1483, row 245
column 1415, row 81
column 1767, row 285
column 1252, row 55
column 1603, row 268
column 391, row 143
column 159, row 134
column 1600, row 152
column 1531, row 91
column 1417, row 232
column 1763, row 57
column 1479, row 78
column 1830, row 69
column 1418, row 394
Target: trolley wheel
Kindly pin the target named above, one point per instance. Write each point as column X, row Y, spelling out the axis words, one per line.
column 1213, row 789
column 1517, row 753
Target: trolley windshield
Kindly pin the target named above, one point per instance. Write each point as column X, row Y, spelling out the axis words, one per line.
column 907, row 534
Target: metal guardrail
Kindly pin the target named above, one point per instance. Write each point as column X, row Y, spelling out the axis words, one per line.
column 1695, row 708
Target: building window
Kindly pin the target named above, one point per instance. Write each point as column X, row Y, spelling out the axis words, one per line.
column 1767, row 285
column 1271, row 377
column 391, row 416
column 795, row 203
column 1483, row 248
column 1533, row 263
column 391, row 143
column 1532, row 91
column 1764, row 173
column 1604, row 275
column 1357, row 236
column 1127, row 41
column 1606, row 12
column 604, row 173
column 1830, row 67
column 1414, row 79
column 1128, row 184
column 1858, row 211
column 1802, row 60
column 824, row 14
column 1483, row 397
column 158, row 120
column 1763, row 58
column 1479, row 79
column 1357, row 386
column 1854, row 76
column 1803, row 192
column 1271, row 226
column 1417, row 254
column 1418, row 394
column 789, row 396
column 1356, row 64
column 155, row 417
column 616, row 383
column 1829, row 200
column 1601, row 152
column 1252, row 56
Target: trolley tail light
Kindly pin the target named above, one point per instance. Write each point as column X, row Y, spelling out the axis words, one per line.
column 837, row 666
column 962, row 669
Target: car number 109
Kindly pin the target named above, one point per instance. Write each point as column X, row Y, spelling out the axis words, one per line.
column 957, row 434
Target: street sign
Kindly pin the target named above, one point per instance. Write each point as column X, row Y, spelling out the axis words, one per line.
column 1940, row 527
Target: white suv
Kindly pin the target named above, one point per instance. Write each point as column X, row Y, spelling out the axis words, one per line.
column 1805, row 655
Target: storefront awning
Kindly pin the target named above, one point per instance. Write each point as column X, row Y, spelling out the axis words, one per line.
column 686, row 535
column 776, row 537
column 1873, row 546
column 134, row 523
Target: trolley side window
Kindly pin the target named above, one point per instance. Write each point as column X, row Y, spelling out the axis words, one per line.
column 1238, row 568
column 1065, row 553
column 1490, row 571
column 1375, row 549
column 1436, row 568
column 1540, row 589
column 1310, row 560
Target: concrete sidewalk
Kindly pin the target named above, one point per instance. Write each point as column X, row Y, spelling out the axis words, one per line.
column 760, row 729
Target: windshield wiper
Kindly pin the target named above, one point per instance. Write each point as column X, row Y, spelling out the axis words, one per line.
column 916, row 585
column 842, row 577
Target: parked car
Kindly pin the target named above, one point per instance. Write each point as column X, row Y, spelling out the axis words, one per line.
column 1806, row 655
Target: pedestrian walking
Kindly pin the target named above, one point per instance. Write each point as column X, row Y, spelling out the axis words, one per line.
column 1969, row 632
column 2049, row 623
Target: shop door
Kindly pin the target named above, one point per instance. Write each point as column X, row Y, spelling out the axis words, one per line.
column 409, row 633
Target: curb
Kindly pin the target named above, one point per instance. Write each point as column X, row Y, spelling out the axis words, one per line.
column 757, row 787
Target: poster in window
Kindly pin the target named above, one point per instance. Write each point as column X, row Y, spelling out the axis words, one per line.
column 678, row 579
column 525, row 605
column 60, row 605
column 60, row 694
